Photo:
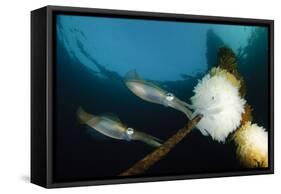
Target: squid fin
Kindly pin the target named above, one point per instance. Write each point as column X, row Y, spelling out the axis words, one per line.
column 132, row 75
column 83, row 116
column 111, row 116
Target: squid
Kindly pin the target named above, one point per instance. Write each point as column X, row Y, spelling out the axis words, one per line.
column 111, row 126
column 151, row 93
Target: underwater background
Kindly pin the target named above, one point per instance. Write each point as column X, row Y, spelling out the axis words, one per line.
column 93, row 54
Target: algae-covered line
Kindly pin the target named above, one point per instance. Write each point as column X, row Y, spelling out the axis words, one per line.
column 149, row 160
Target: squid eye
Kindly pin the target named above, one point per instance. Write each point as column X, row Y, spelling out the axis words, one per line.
column 130, row 131
column 170, row 96
column 213, row 98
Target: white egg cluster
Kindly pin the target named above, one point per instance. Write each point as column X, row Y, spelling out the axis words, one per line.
column 218, row 100
column 252, row 145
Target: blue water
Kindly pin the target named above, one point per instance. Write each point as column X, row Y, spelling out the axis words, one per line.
column 94, row 53
column 148, row 46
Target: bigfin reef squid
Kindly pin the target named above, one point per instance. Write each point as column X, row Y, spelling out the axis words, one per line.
column 154, row 94
column 111, row 126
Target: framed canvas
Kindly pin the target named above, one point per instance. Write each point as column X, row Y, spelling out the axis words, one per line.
column 126, row 96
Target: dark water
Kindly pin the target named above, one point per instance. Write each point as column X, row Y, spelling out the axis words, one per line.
column 93, row 55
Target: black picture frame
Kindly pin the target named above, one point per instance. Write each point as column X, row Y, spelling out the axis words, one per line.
column 43, row 84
